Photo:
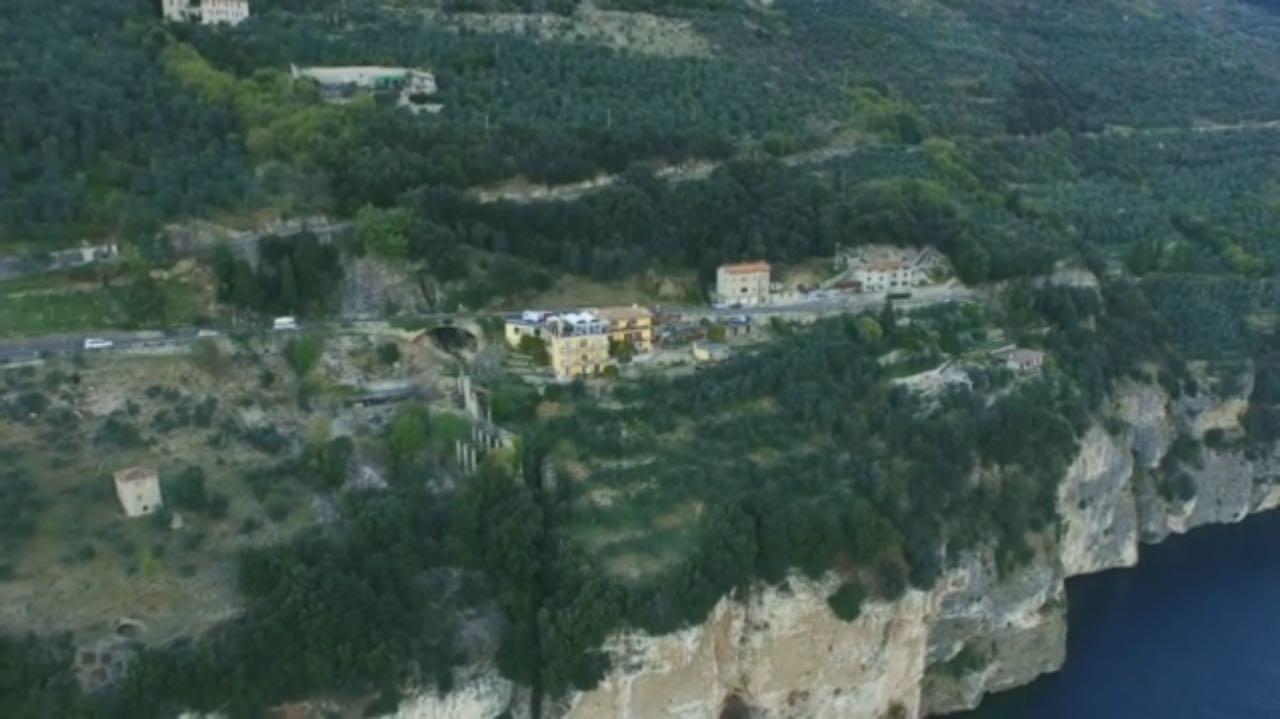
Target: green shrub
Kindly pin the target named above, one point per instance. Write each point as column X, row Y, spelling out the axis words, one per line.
column 1215, row 438
column 278, row 509
column 159, row 520
column 969, row 659
column 264, row 438
column 407, row 436
column 535, row 348
column 1176, row 486
column 118, row 433
column 847, row 601
column 389, row 353
column 191, row 541
column 218, row 504
column 186, row 490
column 304, row 353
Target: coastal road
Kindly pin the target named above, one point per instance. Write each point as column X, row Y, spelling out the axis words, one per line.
column 22, row 349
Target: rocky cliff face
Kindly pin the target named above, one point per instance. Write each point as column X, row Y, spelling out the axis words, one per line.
column 1098, row 508
column 781, row 650
column 782, row 654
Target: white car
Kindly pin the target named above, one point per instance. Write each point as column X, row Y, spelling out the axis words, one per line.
column 285, row 323
column 207, row 333
column 98, row 344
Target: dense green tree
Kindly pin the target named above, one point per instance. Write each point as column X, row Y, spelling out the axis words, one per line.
column 407, row 437
column 36, row 680
column 303, row 353
column 385, row 232
column 122, row 146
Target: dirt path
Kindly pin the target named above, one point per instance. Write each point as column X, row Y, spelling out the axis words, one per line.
column 522, row 191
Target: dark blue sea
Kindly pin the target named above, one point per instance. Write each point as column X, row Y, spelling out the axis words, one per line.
column 1193, row 632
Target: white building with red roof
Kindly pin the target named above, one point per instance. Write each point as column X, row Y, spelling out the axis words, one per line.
column 139, row 491
column 744, row 284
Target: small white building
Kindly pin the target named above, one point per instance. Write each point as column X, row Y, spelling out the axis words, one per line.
column 224, row 12
column 887, row 268
column 206, row 12
column 338, row 84
column 708, row 352
column 139, row 491
column 527, row 324
column 744, row 283
column 1020, row 359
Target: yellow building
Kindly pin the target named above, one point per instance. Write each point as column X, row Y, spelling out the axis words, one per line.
column 578, row 343
column 529, row 324
column 634, row 323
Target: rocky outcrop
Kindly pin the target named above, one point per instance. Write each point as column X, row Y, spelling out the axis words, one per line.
column 1144, row 410
column 1229, row 482
column 1098, row 510
column 781, row 652
column 987, row 634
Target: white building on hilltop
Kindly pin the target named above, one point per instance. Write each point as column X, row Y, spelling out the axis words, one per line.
column 139, row 491
column 206, row 12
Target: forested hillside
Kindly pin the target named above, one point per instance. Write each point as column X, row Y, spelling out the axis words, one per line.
column 97, row 140
column 181, row 111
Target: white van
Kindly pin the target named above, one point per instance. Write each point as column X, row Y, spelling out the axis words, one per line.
column 285, row 323
column 98, row 344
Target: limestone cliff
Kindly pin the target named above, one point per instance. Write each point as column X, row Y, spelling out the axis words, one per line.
column 1098, row 509
column 987, row 634
column 1109, row 503
column 781, row 654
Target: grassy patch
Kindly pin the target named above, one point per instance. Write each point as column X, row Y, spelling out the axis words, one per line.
column 52, row 304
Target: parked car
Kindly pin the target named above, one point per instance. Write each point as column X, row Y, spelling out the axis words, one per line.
column 285, row 323
column 93, row 343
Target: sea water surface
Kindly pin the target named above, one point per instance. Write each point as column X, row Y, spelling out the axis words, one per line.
column 1192, row 632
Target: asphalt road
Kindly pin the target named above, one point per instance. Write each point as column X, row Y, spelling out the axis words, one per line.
column 28, row 348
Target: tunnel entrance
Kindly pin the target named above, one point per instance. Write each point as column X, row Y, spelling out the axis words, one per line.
column 453, row 339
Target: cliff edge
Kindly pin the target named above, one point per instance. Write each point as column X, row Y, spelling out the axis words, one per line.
column 781, row 653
